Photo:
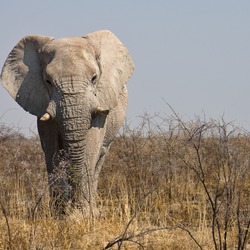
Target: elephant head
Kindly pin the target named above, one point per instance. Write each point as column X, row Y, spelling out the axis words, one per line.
column 68, row 82
column 37, row 64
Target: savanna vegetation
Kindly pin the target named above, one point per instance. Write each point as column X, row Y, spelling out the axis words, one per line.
column 167, row 184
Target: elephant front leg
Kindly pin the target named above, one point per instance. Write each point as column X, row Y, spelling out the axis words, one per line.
column 83, row 175
column 56, row 165
column 82, row 192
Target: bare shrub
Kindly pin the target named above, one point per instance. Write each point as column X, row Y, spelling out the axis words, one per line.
column 192, row 175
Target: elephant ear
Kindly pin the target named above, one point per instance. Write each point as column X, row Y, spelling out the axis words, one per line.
column 116, row 66
column 22, row 75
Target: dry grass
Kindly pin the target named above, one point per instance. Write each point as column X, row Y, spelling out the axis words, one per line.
column 165, row 185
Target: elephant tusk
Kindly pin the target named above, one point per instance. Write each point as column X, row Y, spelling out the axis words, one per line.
column 45, row 117
column 99, row 109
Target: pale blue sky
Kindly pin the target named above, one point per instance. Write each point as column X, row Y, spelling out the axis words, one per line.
column 193, row 54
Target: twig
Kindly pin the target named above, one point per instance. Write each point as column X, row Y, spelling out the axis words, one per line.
column 190, row 234
column 7, row 223
column 131, row 237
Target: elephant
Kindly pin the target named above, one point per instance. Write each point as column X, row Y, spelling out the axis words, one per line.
column 77, row 89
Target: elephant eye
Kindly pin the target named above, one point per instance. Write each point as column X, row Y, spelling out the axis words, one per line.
column 49, row 82
column 94, row 78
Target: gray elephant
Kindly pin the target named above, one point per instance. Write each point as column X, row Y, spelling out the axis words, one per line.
column 76, row 88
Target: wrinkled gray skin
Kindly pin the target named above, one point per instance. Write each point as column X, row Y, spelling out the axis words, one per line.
column 76, row 88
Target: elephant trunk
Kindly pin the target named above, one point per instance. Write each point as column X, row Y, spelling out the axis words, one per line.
column 75, row 129
column 74, row 113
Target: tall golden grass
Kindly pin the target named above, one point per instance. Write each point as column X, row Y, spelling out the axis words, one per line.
column 167, row 184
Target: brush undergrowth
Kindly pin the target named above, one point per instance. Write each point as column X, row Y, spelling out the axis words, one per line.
column 166, row 184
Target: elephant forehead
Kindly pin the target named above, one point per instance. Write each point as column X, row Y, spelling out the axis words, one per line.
column 68, row 55
column 69, row 46
column 73, row 66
